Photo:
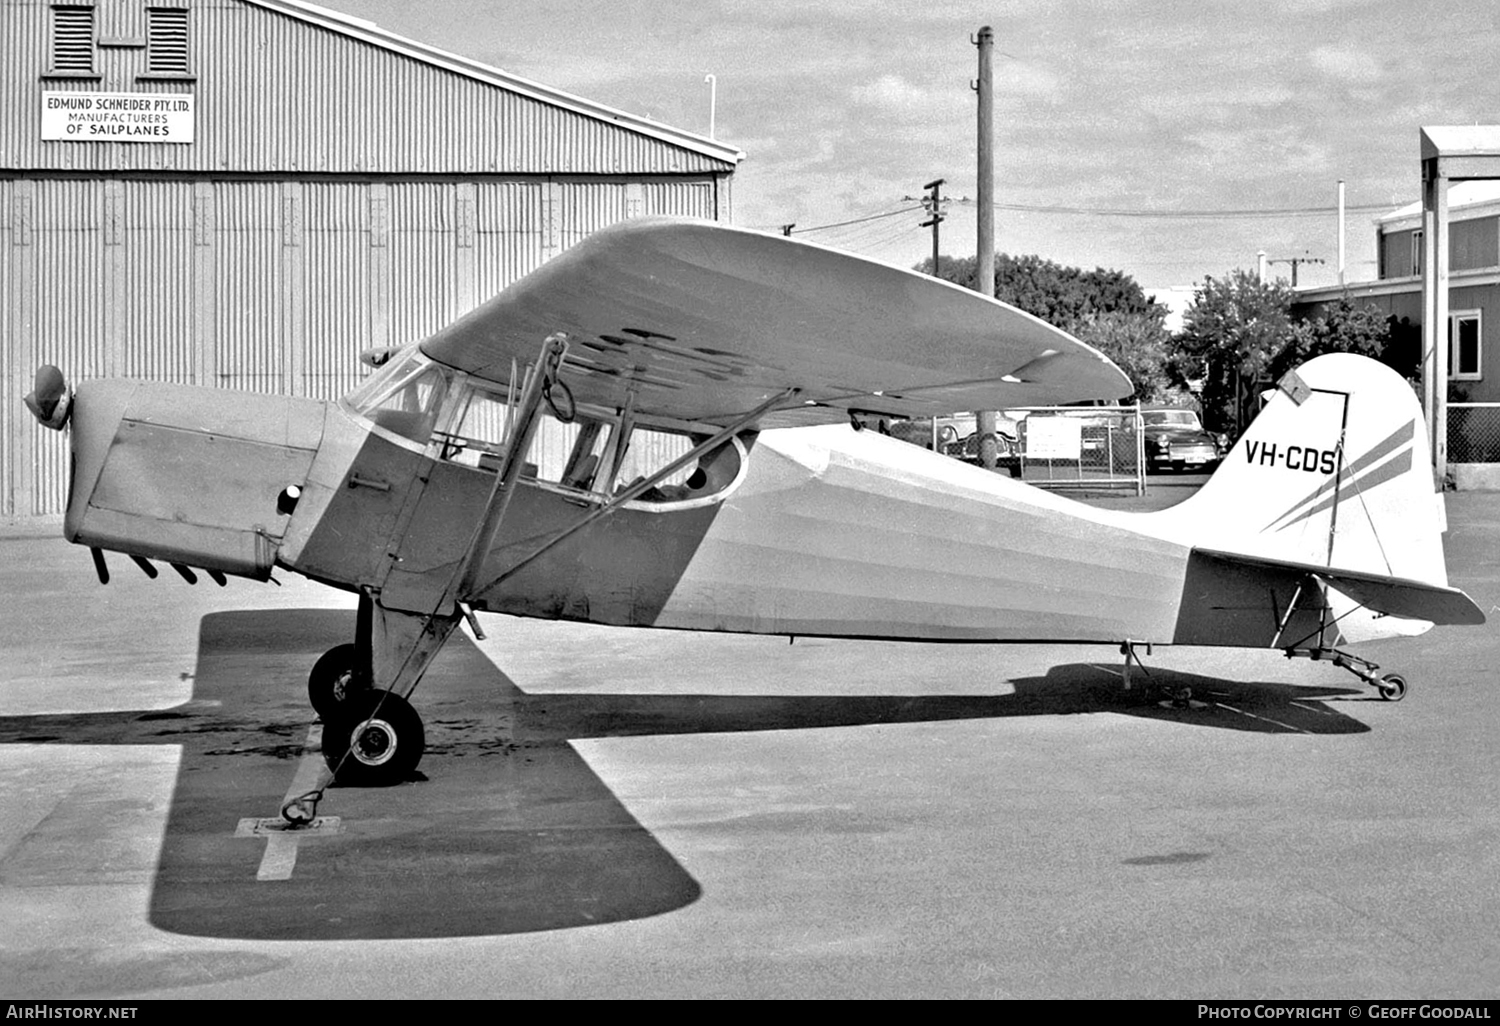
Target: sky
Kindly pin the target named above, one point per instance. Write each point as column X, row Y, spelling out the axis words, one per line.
column 1163, row 138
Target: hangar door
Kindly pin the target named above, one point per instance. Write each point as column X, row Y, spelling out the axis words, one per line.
column 264, row 286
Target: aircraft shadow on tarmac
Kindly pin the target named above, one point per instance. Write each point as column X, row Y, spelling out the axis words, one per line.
column 505, row 828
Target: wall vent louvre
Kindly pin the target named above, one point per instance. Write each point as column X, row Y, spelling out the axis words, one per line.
column 166, row 40
column 73, row 40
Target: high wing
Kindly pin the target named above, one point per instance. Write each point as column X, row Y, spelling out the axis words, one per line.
column 698, row 321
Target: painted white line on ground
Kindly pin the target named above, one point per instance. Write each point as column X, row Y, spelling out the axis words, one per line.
column 1263, row 719
column 280, row 856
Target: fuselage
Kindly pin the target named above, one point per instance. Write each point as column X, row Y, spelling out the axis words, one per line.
column 841, row 533
column 802, row 531
column 820, row 531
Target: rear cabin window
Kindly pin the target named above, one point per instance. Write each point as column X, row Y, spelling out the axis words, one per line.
column 710, row 474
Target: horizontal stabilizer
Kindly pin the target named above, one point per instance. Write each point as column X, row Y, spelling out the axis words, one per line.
column 1392, row 596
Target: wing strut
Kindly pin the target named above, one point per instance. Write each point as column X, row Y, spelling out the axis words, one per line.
column 641, row 486
column 538, row 386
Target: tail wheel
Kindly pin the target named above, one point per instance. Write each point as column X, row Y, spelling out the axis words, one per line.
column 331, row 682
column 1392, row 687
column 374, row 740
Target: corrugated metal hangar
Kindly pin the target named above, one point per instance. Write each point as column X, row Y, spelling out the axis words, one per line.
column 248, row 193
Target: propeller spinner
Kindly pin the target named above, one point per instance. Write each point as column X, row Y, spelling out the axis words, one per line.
column 49, row 400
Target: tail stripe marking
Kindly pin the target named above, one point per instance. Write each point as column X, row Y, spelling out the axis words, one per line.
column 1397, row 438
column 1395, row 468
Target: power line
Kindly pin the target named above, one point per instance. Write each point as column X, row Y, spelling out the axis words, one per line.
column 1169, row 215
column 872, row 241
column 857, row 220
column 851, row 235
column 1140, row 213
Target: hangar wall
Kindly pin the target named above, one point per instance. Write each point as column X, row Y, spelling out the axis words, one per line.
column 343, row 188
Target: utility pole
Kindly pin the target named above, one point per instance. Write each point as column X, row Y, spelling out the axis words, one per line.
column 1341, row 231
column 713, row 101
column 786, row 229
column 984, row 282
column 1294, row 261
column 934, row 204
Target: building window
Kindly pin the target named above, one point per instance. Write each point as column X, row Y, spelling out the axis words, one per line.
column 1463, row 345
column 72, row 41
column 1416, row 252
column 166, row 41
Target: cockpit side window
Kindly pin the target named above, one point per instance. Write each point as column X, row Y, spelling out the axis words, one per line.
column 588, row 454
column 479, row 437
column 565, row 454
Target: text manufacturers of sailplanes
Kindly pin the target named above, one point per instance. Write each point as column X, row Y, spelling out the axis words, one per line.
column 117, row 117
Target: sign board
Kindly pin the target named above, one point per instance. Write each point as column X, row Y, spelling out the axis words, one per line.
column 1054, row 438
column 117, row 117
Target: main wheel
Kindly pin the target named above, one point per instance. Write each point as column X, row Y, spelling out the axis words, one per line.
column 374, row 740
column 331, row 682
column 1392, row 687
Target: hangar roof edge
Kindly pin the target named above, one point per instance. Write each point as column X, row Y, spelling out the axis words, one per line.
column 369, row 32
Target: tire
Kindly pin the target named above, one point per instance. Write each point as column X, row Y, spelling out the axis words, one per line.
column 1392, row 687
column 331, row 682
column 382, row 737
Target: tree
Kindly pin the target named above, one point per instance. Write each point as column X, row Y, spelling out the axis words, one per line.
column 1343, row 328
column 1239, row 331
column 1137, row 343
column 1104, row 308
column 1234, row 328
column 1060, row 295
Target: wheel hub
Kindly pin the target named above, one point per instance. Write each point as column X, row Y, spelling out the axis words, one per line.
column 374, row 742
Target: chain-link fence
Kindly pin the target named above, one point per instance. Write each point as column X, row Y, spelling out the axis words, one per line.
column 1082, row 447
column 1052, row 447
column 1474, row 432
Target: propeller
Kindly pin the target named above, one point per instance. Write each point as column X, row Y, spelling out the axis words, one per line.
column 49, row 400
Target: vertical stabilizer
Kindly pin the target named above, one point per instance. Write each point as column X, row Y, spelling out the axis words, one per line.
column 1334, row 472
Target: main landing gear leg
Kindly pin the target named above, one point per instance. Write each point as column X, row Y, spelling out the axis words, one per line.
column 372, row 737
column 1391, row 687
column 344, row 671
column 375, row 738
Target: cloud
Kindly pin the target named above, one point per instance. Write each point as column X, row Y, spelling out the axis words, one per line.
column 895, row 95
column 1023, row 78
column 1346, row 64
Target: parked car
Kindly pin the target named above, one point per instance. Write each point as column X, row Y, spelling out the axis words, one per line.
column 1176, row 440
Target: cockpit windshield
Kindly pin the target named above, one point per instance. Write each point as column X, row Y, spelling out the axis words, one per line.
column 404, row 396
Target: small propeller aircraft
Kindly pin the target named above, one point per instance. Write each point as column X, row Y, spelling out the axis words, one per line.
column 660, row 428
